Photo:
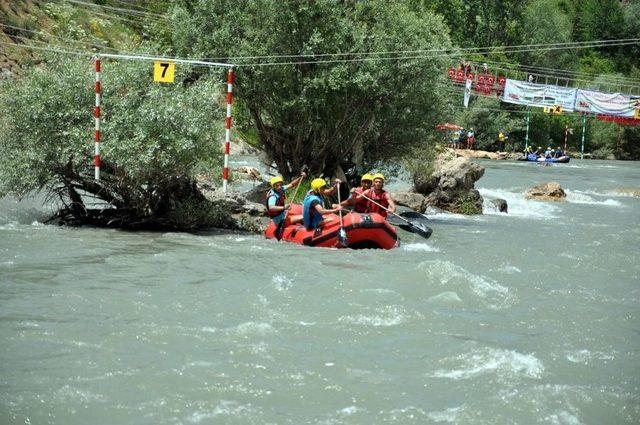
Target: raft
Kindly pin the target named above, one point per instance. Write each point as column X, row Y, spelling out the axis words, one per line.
column 533, row 158
column 363, row 231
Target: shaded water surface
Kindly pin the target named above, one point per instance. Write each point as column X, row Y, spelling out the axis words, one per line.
column 526, row 317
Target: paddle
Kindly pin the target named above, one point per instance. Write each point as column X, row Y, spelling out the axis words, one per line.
column 413, row 226
column 280, row 229
column 342, row 234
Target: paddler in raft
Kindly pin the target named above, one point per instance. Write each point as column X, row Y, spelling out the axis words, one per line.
column 359, row 204
column 275, row 200
column 381, row 196
column 313, row 205
column 377, row 195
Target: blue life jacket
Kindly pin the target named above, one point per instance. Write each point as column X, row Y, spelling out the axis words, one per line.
column 310, row 217
column 280, row 197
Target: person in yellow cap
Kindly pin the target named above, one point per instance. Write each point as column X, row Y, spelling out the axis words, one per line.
column 360, row 204
column 380, row 196
column 313, row 205
column 275, row 200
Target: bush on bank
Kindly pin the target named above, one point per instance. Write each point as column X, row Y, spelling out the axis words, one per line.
column 155, row 139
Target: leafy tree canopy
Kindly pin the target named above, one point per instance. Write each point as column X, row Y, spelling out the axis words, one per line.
column 325, row 110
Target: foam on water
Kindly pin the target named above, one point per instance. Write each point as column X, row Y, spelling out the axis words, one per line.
column 563, row 418
column 419, row 247
column 387, row 316
column 577, row 197
column 71, row 394
column 450, row 415
column 447, row 273
column 224, row 408
column 254, row 328
column 518, row 205
column 509, row 269
column 505, row 364
column 281, row 282
column 585, row 356
column 446, row 297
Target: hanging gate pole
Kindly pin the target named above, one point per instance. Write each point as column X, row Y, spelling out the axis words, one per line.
column 97, row 134
column 526, row 139
column 227, row 138
column 584, row 124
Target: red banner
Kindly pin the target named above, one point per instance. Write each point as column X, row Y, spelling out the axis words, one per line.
column 619, row 120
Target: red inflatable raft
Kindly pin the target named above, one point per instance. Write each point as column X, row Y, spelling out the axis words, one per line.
column 363, row 231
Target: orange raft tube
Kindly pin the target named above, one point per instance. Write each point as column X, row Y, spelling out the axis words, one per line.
column 363, row 231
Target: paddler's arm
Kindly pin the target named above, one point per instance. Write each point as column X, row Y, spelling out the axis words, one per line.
column 351, row 200
column 276, row 209
column 333, row 189
column 296, row 181
column 392, row 204
column 323, row 211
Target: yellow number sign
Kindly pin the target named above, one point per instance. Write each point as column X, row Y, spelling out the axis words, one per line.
column 163, row 72
column 637, row 114
column 557, row 109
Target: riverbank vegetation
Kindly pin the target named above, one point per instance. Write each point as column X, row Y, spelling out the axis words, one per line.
column 315, row 85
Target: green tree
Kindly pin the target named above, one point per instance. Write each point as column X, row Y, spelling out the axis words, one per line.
column 546, row 22
column 325, row 111
column 156, row 138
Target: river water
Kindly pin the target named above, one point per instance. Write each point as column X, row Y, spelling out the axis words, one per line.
column 526, row 317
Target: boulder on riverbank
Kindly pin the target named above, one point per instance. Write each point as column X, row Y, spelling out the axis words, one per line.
column 551, row 191
column 500, row 205
column 248, row 173
column 242, row 213
column 496, row 156
column 629, row 191
column 449, row 186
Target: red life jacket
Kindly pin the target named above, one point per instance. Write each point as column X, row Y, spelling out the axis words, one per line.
column 280, row 197
column 380, row 198
column 361, row 205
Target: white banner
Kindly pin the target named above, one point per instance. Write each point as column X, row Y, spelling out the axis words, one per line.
column 467, row 93
column 614, row 104
column 540, row 95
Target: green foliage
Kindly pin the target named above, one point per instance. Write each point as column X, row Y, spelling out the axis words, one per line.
column 467, row 205
column 555, row 27
column 487, row 121
column 155, row 137
column 316, row 113
column 420, row 163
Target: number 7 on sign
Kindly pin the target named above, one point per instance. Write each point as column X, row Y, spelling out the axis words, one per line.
column 163, row 72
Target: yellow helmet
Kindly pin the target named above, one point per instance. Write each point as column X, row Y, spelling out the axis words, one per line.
column 276, row 179
column 317, row 184
column 378, row 176
column 366, row 176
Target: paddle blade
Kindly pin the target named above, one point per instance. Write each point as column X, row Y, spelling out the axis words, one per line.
column 412, row 215
column 342, row 238
column 421, row 229
column 279, row 230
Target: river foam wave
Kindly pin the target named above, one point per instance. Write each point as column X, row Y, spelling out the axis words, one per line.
column 505, row 364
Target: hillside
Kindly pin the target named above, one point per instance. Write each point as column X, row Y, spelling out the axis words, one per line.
column 75, row 26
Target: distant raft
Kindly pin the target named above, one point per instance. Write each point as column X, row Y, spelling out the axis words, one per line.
column 532, row 157
column 363, row 231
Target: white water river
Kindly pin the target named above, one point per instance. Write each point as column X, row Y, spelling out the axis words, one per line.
column 526, row 317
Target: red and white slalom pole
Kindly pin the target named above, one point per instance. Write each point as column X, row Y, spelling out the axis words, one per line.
column 97, row 135
column 227, row 138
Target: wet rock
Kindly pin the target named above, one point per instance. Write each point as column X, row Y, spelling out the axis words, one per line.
column 551, row 191
column 500, row 204
column 248, row 173
column 450, row 186
column 258, row 193
column 412, row 200
column 496, row 156
column 629, row 191
column 241, row 147
column 242, row 213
